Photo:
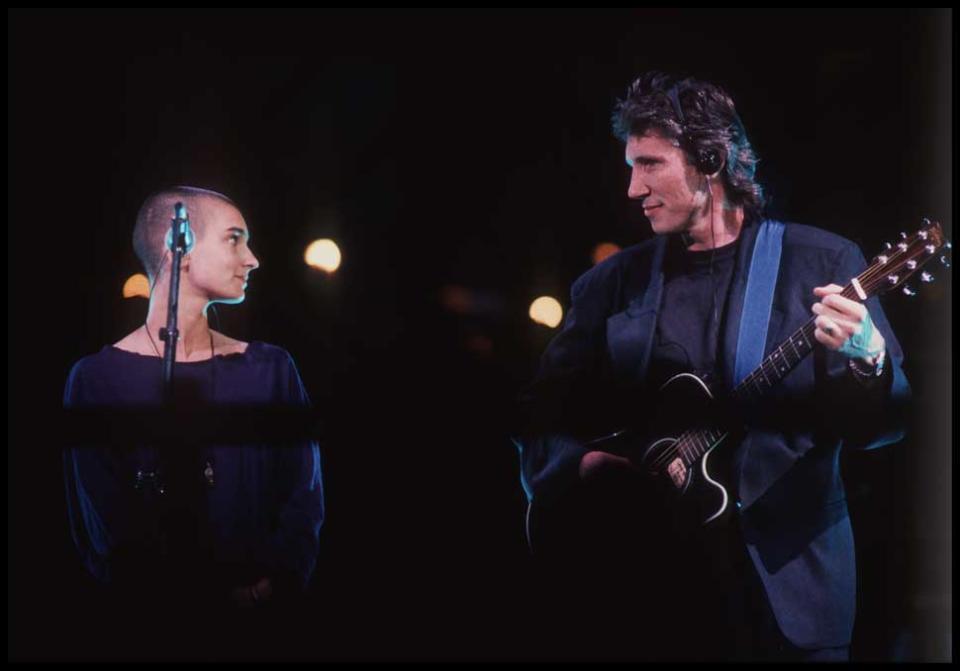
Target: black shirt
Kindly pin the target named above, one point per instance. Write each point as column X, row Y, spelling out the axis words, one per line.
column 695, row 291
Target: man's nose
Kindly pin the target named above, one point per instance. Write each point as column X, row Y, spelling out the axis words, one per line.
column 252, row 262
column 637, row 190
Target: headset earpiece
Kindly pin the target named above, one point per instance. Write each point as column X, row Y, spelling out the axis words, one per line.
column 708, row 161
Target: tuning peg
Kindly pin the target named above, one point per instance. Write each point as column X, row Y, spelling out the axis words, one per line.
column 947, row 245
column 926, row 277
column 887, row 246
column 945, row 261
column 926, row 222
column 903, row 236
column 908, row 290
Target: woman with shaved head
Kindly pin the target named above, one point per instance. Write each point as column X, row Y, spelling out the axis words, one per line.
column 253, row 510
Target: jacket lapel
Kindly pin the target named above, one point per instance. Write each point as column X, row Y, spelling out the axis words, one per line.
column 630, row 332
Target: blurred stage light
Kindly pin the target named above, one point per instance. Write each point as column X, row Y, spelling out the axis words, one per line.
column 136, row 285
column 547, row 311
column 604, row 250
column 466, row 301
column 323, row 255
column 456, row 299
column 479, row 344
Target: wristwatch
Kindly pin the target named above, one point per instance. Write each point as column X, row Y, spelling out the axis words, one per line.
column 864, row 370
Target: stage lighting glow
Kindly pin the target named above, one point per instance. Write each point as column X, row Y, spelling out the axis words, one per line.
column 323, row 254
column 604, row 250
column 136, row 285
column 479, row 344
column 547, row 311
column 457, row 299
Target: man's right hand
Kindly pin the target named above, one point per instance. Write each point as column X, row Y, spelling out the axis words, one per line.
column 597, row 463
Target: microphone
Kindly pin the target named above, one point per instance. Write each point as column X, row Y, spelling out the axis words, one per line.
column 182, row 223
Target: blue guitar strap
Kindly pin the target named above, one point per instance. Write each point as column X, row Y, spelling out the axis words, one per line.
column 758, row 299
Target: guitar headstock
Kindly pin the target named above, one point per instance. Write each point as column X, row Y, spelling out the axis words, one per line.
column 899, row 262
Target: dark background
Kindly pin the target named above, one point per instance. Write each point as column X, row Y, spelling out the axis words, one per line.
column 467, row 149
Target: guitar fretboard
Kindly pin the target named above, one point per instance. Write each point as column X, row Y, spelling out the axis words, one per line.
column 783, row 359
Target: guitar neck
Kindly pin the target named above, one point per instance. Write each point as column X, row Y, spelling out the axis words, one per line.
column 783, row 359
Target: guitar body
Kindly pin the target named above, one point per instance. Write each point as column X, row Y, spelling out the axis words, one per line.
column 679, row 448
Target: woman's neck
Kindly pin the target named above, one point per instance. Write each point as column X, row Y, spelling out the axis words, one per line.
column 194, row 330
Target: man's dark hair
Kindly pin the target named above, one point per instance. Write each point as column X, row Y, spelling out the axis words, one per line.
column 153, row 222
column 708, row 122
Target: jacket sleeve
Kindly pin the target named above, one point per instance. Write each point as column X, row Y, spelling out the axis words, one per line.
column 294, row 546
column 567, row 387
column 99, row 508
column 870, row 415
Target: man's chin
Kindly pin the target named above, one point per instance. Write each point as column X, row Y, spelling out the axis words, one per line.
column 660, row 229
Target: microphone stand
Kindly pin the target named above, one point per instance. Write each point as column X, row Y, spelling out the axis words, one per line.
column 179, row 227
column 179, row 517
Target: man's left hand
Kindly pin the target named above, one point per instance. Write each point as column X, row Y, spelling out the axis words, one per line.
column 844, row 325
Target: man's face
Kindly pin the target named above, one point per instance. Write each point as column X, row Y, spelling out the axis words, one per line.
column 671, row 189
column 221, row 259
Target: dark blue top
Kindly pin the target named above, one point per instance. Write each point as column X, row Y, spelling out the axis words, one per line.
column 261, row 505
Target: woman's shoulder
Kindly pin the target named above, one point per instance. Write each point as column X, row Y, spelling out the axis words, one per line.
column 255, row 350
column 134, row 342
column 225, row 345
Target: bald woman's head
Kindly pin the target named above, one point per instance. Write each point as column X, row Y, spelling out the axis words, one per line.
column 153, row 221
